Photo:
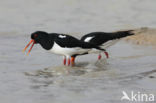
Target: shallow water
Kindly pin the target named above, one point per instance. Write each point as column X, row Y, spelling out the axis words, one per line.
column 41, row 78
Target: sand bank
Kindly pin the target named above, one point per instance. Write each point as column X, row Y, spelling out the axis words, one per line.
column 144, row 36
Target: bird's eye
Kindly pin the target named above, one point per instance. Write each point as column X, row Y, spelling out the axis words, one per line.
column 35, row 35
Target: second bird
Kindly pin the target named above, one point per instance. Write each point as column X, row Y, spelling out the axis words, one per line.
column 103, row 40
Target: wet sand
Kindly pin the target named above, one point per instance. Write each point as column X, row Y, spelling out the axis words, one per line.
column 41, row 78
column 144, row 36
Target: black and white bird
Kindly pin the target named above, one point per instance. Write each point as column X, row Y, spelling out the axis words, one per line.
column 61, row 44
column 104, row 40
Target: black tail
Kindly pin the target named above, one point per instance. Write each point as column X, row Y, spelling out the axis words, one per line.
column 121, row 34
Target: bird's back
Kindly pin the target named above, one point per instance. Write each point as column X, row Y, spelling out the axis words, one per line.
column 99, row 38
column 65, row 40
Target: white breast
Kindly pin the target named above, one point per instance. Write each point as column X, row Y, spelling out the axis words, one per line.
column 109, row 43
column 105, row 45
column 57, row 49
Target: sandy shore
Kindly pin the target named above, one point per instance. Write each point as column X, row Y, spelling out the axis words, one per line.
column 144, row 36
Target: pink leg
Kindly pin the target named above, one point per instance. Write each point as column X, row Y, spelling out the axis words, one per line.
column 64, row 61
column 107, row 55
column 68, row 61
column 99, row 57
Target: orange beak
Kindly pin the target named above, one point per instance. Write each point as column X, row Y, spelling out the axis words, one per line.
column 31, row 41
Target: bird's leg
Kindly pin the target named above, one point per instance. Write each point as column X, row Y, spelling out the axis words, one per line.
column 72, row 61
column 99, row 57
column 106, row 53
column 64, row 60
column 68, row 61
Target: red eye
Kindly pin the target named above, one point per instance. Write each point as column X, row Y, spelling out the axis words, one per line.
column 35, row 35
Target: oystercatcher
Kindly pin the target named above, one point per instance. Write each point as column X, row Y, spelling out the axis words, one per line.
column 61, row 44
column 104, row 40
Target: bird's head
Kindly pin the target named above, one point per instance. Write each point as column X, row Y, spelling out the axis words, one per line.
column 36, row 37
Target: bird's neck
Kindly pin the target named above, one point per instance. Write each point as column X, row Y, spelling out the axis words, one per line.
column 47, row 43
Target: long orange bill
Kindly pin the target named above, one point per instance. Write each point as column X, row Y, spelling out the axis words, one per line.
column 32, row 41
column 30, row 48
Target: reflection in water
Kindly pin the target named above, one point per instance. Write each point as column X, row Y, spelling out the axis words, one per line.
column 59, row 74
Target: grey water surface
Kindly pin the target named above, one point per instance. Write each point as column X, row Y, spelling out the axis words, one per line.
column 41, row 77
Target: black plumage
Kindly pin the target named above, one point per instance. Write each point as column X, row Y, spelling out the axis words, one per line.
column 66, row 41
column 99, row 38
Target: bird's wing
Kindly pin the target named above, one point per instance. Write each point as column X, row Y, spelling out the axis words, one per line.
column 99, row 38
column 71, row 42
column 67, row 41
